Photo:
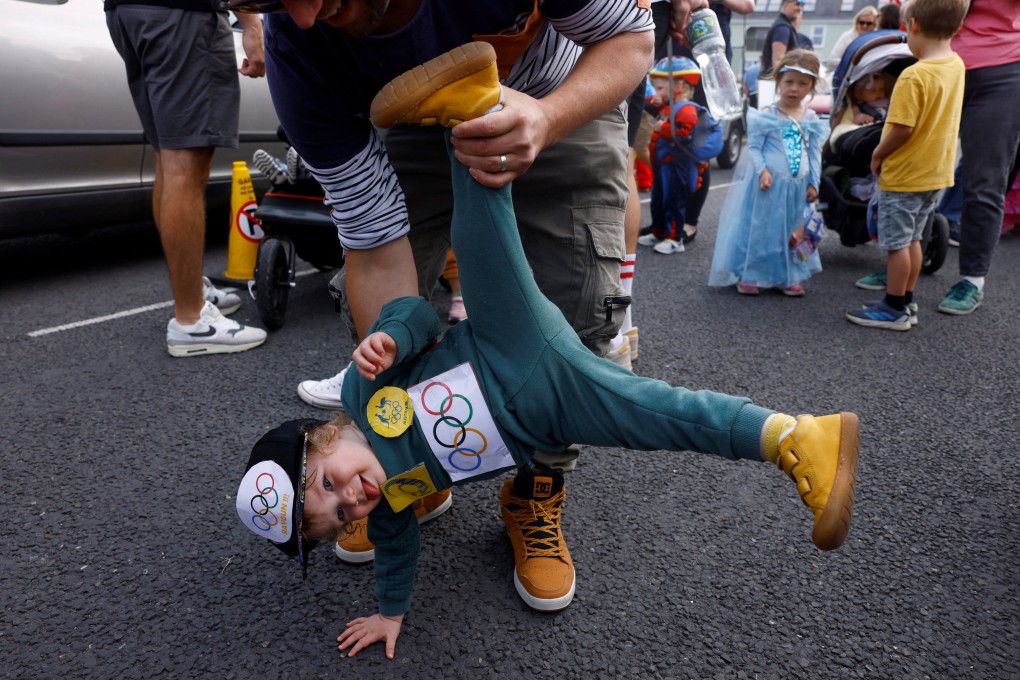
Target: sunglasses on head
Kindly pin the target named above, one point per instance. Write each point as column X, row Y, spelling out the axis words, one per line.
column 252, row 6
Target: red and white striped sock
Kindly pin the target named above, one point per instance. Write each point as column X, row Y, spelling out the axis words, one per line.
column 627, row 281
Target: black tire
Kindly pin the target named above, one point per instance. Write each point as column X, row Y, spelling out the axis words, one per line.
column 272, row 282
column 937, row 247
column 730, row 153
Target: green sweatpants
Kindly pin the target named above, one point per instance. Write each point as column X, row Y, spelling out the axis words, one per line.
column 557, row 391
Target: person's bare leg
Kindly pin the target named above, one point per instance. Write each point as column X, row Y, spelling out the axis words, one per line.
column 916, row 260
column 178, row 208
column 376, row 276
column 898, row 271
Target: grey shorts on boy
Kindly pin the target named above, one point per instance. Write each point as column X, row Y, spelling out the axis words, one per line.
column 902, row 216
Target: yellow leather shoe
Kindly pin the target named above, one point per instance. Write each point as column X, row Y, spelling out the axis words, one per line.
column 820, row 455
column 353, row 545
column 459, row 85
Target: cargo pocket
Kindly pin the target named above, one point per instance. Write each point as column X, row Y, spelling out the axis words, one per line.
column 598, row 252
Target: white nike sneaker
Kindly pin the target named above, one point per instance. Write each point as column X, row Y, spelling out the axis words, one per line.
column 211, row 334
column 270, row 166
column 226, row 299
column 323, row 393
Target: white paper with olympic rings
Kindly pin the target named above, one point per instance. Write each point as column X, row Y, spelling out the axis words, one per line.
column 458, row 425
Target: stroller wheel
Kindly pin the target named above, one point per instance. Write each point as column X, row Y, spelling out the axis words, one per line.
column 273, row 278
column 936, row 246
column 730, row 153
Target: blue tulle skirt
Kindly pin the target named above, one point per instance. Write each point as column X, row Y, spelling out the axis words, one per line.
column 753, row 242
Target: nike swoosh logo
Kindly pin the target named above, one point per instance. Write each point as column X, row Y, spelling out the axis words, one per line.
column 235, row 331
column 207, row 333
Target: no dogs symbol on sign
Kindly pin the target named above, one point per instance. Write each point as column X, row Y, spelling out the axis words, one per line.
column 248, row 225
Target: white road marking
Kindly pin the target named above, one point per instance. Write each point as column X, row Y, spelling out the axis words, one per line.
column 100, row 319
column 122, row 314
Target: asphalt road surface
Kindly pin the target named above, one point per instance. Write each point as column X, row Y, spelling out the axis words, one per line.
column 123, row 555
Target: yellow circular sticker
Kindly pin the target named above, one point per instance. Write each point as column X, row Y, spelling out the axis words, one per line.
column 390, row 412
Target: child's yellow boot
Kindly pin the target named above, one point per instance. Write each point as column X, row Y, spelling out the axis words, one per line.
column 459, row 85
column 820, row 455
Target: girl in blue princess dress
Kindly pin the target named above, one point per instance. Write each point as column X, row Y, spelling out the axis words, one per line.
column 766, row 204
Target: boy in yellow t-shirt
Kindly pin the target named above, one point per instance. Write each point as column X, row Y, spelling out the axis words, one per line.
column 917, row 154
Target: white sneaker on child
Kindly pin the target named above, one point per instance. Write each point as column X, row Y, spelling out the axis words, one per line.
column 457, row 311
column 323, row 393
column 668, row 246
column 296, row 170
column 269, row 165
column 648, row 240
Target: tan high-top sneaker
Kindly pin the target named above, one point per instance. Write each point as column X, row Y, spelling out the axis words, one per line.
column 531, row 506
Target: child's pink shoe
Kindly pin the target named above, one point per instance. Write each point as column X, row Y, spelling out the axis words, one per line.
column 796, row 290
column 748, row 289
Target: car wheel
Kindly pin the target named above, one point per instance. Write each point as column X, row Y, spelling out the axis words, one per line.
column 730, row 153
column 272, row 282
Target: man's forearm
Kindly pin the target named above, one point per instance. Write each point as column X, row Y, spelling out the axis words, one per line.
column 603, row 77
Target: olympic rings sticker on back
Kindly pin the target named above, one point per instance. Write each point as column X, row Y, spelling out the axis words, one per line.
column 265, row 501
column 457, row 424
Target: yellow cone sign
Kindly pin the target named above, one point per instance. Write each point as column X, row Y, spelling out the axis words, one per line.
column 245, row 230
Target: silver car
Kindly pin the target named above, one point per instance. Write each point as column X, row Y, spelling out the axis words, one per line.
column 72, row 155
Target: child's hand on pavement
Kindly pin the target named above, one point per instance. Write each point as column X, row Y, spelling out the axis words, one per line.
column 365, row 631
column 765, row 180
column 375, row 354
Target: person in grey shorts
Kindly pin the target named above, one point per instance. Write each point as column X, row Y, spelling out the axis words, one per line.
column 182, row 72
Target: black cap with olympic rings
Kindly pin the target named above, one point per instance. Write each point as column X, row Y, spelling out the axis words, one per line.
column 270, row 498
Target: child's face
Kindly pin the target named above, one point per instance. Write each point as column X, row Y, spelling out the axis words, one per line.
column 794, row 86
column 681, row 89
column 869, row 92
column 661, row 86
column 347, row 481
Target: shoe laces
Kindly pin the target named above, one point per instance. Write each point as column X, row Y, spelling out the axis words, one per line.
column 334, row 383
column 539, row 521
column 960, row 291
column 351, row 530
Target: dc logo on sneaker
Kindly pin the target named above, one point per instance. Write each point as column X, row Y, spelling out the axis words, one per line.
column 543, row 487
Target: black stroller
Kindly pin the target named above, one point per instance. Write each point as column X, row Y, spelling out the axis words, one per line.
column 296, row 223
column 847, row 163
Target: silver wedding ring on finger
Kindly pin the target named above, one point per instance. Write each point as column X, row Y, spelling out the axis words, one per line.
column 502, row 163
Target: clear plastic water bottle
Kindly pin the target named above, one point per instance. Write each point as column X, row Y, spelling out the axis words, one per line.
column 709, row 49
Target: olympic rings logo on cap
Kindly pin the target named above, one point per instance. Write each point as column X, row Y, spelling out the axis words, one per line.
column 261, row 506
column 265, row 501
